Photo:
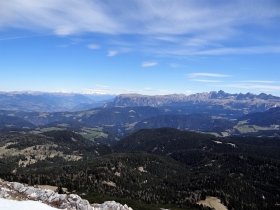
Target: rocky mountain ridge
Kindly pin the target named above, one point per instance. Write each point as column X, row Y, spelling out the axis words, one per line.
column 249, row 101
column 18, row 191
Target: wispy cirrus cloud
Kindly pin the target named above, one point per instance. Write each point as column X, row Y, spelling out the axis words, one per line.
column 203, row 77
column 194, row 75
column 239, row 50
column 203, row 28
column 22, row 37
column 112, row 53
column 149, row 64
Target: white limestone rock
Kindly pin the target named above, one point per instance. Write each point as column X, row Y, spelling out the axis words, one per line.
column 14, row 190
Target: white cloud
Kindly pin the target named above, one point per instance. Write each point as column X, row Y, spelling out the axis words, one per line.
column 112, row 53
column 201, row 27
column 194, row 75
column 14, row 204
column 93, row 46
column 205, row 80
column 142, row 17
column 149, row 64
column 203, row 77
column 214, row 51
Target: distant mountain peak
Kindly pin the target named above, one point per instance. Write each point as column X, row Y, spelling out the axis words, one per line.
column 236, row 101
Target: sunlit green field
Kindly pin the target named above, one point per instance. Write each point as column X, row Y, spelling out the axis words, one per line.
column 88, row 133
column 92, row 133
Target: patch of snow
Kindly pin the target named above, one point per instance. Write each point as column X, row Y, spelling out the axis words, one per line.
column 231, row 144
column 218, row 142
column 42, row 198
column 23, row 205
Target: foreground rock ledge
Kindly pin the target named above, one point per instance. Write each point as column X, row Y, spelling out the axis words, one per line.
column 17, row 191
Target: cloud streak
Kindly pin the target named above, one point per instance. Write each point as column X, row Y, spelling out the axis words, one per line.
column 203, row 77
column 194, row 75
column 149, row 64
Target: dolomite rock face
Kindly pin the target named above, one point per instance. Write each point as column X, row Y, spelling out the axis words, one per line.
column 17, row 191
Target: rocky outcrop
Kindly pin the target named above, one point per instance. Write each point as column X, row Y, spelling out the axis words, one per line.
column 17, row 191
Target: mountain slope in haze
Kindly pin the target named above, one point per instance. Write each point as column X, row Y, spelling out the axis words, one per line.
column 202, row 122
column 10, row 122
column 93, row 117
column 267, row 118
column 265, row 123
column 47, row 102
column 92, row 105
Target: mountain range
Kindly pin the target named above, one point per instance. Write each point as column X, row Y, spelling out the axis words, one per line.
column 219, row 113
column 214, row 102
column 50, row 102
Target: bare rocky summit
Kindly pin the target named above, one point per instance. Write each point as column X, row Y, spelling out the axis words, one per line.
column 18, row 191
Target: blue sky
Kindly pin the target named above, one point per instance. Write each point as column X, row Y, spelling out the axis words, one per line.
column 140, row 46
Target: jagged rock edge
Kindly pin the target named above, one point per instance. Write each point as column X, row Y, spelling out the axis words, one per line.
column 18, row 191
